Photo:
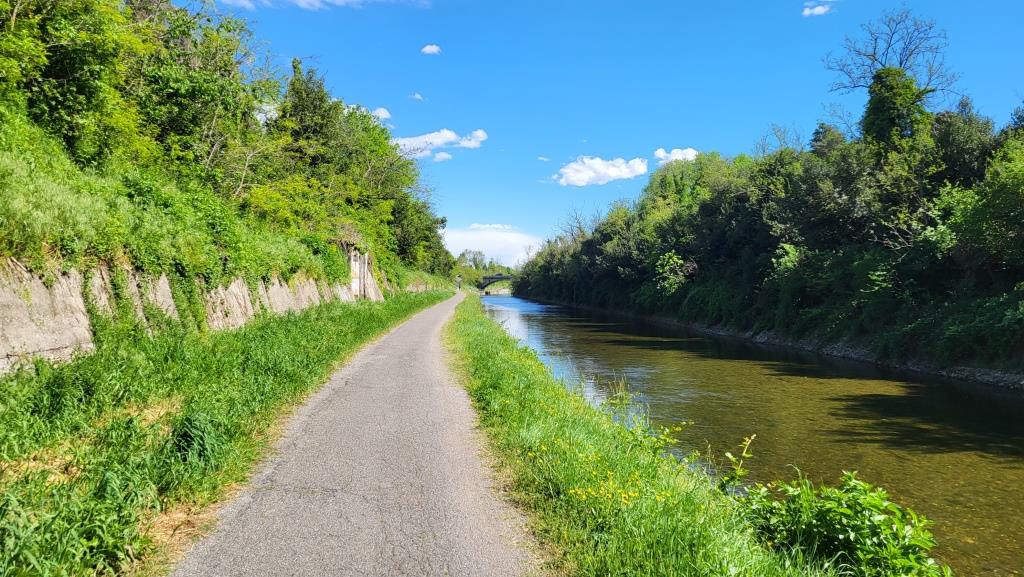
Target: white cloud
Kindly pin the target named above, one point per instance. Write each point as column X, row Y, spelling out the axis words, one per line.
column 320, row 4
column 675, row 154
column 587, row 170
column 424, row 144
column 416, row 96
column 476, row 226
column 247, row 4
column 382, row 113
column 431, row 49
column 819, row 8
column 502, row 242
column 442, row 156
column 543, row 159
column 474, row 140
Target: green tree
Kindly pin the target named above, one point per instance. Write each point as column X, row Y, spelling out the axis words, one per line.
column 826, row 139
column 895, row 108
column 965, row 141
column 75, row 93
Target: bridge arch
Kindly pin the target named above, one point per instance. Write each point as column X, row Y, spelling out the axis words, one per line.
column 491, row 279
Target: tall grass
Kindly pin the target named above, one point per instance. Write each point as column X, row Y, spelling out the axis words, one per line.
column 93, row 450
column 605, row 496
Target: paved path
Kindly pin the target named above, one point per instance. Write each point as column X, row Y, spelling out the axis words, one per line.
column 379, row 474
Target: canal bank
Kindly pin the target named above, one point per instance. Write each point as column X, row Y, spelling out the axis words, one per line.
column 954, row 456
column 993, row 383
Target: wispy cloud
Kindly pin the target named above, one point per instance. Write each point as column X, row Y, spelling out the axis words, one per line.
column 247, row 4
column 382, row 113
column 424, row 145
column 817, row 8
column 502, row 242
column 588, row 170
column 431, row 49
column 416, row 96
column 664, row 156
column 442, row 156
column 543, row 159
column 319, row 4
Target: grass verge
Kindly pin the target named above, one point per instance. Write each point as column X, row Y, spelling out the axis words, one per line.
column 605, row 497
column 98, row 454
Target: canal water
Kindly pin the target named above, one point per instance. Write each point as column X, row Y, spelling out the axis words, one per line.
column 954, row 456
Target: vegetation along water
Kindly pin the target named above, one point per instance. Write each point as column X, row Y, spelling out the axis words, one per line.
column 956, row 458
column 896, row 231
column 902, row 232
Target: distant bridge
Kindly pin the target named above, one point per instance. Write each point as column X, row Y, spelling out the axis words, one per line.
column 489, row 280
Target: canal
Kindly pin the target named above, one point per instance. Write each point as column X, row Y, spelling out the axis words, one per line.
column 953, row 455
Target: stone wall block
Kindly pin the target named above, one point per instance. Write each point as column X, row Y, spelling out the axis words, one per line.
column 158, row 294
column 101, row 290
column 39, row 320
column 229, row 307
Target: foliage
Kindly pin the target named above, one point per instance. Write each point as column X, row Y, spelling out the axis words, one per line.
column 891, row 238
column 854, row 526
column 146, row 133
column 895, row 107
column 93, row 451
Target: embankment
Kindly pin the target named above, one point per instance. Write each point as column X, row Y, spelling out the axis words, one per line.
column 987, row 381
column 52, row 318
column 607, row 499
column 603, row 497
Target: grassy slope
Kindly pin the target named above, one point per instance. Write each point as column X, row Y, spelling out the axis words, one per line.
column 604, row 496
column 92, row 452
column 57, row 215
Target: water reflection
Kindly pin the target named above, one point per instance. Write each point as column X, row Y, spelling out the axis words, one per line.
column 951, row 455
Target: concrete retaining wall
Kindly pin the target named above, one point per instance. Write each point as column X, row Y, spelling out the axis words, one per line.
column 50, row 320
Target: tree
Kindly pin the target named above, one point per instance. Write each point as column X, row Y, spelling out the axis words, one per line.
column 965, row 142
column 997, row 222
column 897, row 40
column 189, row 86
column 826, row 138
column 74, row 93
column 895, row 107
column 22, row 49
column 311, row 116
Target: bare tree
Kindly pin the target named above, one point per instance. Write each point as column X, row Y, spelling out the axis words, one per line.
column 777, row 138
column 576, row 226
column 843, row 119
column 899, row 40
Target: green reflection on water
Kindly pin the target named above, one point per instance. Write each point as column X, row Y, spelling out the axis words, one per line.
column 953, row 456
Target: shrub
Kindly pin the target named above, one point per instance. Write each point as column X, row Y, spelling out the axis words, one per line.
column 854, row 527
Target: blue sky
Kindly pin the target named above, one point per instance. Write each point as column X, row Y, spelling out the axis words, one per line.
column 521, row 112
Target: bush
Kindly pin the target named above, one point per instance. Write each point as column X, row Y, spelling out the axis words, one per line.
column 854, row 527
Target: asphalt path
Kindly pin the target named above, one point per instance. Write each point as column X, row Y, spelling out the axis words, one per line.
column 382, row 472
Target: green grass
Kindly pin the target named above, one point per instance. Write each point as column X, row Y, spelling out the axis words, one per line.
column 92, row 451
column 605, row 498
